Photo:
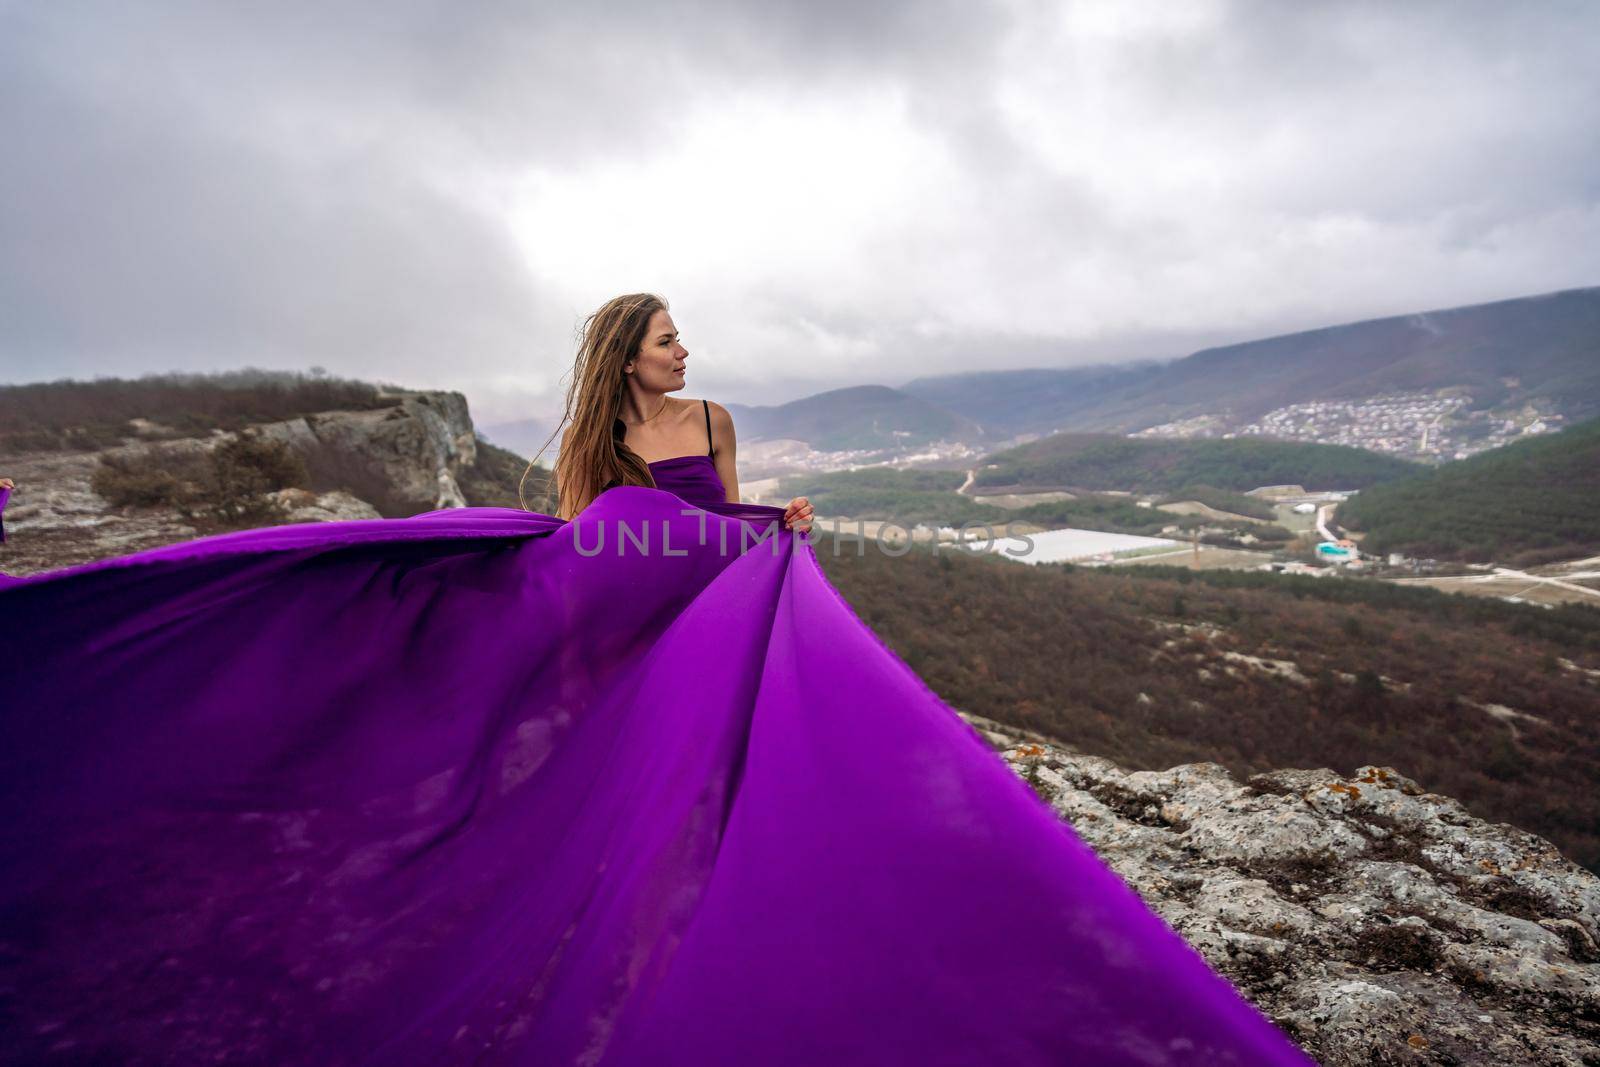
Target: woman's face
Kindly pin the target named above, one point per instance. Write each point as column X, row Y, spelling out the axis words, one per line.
column 660, row 364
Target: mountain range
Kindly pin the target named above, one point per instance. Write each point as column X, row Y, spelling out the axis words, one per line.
column 1542, row 351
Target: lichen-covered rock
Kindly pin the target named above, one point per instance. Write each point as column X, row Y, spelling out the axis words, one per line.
column 1374, row 922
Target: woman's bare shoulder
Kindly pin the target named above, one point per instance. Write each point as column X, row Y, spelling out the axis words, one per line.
column 721, row 418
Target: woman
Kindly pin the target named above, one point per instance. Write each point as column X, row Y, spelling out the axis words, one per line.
column 632, row 786
column 630, row 358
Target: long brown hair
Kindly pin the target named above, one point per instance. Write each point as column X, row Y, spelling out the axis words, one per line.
column 593, row 457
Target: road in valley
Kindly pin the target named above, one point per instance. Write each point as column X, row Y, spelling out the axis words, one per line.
column 1324, row 513
column 1510, row 578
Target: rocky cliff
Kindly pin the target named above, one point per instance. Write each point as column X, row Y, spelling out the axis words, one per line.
column 404, row 458
column 1373, row 921
column 418, row 448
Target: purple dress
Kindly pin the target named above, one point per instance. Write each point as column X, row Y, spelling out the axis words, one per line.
column 483, row 786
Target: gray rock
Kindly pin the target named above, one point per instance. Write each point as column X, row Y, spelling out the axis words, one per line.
column 1374, row 922
column 302, row 505
column 418, row 448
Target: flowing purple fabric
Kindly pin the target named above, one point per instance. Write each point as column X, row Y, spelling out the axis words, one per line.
column 483, row 786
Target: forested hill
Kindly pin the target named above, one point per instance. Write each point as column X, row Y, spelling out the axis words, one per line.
column 1533, row 501
column 1153, row 464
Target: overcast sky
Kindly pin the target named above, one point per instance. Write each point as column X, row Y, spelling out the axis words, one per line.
column 436, row 193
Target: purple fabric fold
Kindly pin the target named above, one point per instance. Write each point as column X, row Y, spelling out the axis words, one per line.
column 484, row 786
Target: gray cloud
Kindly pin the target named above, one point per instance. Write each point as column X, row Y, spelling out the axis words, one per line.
column 436, row 194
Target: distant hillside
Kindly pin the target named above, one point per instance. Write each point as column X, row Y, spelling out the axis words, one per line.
column 1153, row 464
column 1037, row 400
column 525, row 437
column 865, row 417
column 1539, row 348
column 1529, row 502
column 1151, row 666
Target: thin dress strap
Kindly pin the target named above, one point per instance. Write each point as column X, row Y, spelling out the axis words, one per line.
column 710, row 445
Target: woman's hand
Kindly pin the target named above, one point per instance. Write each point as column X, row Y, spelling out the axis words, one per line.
column 797, row 516
column 7, row 483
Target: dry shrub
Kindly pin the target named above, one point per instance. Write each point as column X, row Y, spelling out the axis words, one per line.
column 227, row 485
